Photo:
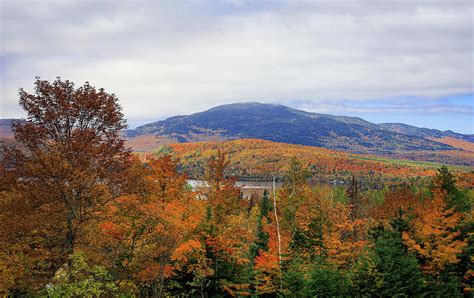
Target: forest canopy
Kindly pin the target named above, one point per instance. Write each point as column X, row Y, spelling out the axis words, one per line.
column 81, row 215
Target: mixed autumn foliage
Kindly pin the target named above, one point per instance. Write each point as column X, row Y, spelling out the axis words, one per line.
column 260, row 159
column 82, row 216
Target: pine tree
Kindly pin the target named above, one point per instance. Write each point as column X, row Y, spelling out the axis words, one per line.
column 454, row 198
column 262, row 237
column 265, row 205
column 294, row 281
column 388, row 269
column 327, row 282
column 399, row 270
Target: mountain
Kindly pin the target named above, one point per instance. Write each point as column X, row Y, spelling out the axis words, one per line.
column 425, row 132
column 6, row 128
column 279, row 123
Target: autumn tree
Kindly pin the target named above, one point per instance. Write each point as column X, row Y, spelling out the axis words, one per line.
column 147, row 233
column 356, row 200
column 433, row 235
column 222, row 194
column 70, row 161
column 227, row 232
column 312, row 228
column 399, row 202
column 345, row 238
column 267, row 263
column 294, row 192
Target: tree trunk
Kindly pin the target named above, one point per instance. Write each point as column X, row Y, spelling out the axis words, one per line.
column 71, row 235
column 278, row 230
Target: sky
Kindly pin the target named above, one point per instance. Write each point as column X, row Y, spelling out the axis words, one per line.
column 384, row 61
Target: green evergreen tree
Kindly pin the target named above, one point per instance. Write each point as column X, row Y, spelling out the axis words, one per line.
column 364, row 278
column 265, row 205
column 328, row 282
column 309, row 241
column 399, row 270
column 454, row 197
column 294, row 282
column 389, row 269
column 262, row 237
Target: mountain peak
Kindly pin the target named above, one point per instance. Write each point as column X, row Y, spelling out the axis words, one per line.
column 243, row 105
column 279, row 123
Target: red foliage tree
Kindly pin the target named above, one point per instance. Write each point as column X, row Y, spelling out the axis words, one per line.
column 70, row 161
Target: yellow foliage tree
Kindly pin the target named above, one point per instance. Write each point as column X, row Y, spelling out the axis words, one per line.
column 344, row 240
column 433, row 234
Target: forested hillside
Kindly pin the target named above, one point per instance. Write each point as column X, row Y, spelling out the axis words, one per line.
column 259, row 159
column 82, row 216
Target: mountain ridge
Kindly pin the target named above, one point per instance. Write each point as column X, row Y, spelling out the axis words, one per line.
column 280, row 123
column 425, row 132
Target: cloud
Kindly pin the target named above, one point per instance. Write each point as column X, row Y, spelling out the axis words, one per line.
column 175, row 57
column 405, row 109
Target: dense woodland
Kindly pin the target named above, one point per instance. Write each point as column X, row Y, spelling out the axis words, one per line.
column 262, row 160
column 80, row 215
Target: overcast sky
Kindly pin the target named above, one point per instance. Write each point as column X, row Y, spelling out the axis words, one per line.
column 386, row 61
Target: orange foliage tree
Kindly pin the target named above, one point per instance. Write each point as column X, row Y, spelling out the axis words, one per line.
column 147, row 232
column 222, row 195
column 433, row 235
column 345, row 238
column 267, row 262
column 327, row 230
column 400, row 202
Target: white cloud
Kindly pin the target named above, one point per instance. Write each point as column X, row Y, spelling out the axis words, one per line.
column 405, row 109
column 175, row 57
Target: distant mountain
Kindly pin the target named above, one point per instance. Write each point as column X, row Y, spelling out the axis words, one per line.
column 283, row 124
column 425, row 132
column 279, row 123
column 6, row 128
